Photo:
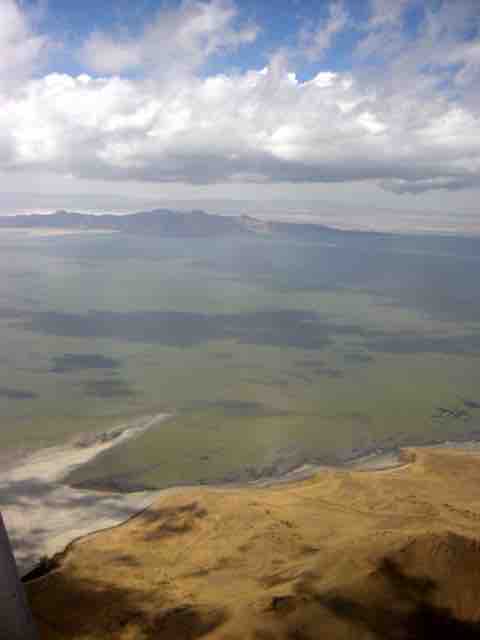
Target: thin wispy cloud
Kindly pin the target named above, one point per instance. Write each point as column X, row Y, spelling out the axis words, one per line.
column 175, row 40
column 317, row 41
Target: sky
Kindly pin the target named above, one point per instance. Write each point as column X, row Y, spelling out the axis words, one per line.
column 365, row 109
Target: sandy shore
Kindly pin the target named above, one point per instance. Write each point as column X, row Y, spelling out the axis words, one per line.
column 43, row 515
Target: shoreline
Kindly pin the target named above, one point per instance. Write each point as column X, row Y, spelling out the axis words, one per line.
column 370, row 458
column 43, row 514
column 377, row 464
column 48, row 564
column 43, row 511
column 344, row 555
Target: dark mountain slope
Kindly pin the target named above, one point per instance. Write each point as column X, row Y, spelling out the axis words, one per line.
column 160, row 221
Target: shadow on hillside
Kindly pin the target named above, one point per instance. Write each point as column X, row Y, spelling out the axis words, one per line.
column 405, row 611
column 70, row 607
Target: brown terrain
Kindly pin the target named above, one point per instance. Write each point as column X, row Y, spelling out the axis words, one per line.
column 345, row 555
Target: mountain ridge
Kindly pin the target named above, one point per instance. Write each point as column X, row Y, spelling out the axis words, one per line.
column 165, row 222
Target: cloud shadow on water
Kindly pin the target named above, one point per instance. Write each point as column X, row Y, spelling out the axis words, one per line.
column 72, row 362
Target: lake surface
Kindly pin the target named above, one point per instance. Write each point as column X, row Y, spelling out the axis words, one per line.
column 270, row 352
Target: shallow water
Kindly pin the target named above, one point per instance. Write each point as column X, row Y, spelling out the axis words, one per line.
column 271, row 353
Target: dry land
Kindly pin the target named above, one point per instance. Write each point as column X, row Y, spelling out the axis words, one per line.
column 392, row 553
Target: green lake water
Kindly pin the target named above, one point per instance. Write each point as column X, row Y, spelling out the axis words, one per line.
column 269, row 353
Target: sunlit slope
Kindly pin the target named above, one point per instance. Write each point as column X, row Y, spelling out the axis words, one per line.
column 390, row 554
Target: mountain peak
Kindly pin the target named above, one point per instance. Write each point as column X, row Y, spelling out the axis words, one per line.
column 165, row 222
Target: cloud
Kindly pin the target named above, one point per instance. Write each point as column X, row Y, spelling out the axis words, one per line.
column 178, row 39
column 317, row 42
column 260, row 126
column 440, row 58
column 400, row 186
column 384, row 12
column 20, row 47
column 394, row 127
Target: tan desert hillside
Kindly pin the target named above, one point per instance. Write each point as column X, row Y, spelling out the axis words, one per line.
column 346, row 555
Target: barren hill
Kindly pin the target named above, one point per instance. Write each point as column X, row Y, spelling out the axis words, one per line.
column 389, row 554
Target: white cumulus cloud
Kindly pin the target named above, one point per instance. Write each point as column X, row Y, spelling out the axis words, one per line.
column 228, row 128
column 20, row 46
column 394, row 127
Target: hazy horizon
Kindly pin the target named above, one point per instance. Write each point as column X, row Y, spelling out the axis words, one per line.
column 367, row 111
column 337, row 215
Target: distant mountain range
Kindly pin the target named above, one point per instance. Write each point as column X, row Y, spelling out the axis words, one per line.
column 165, row 222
